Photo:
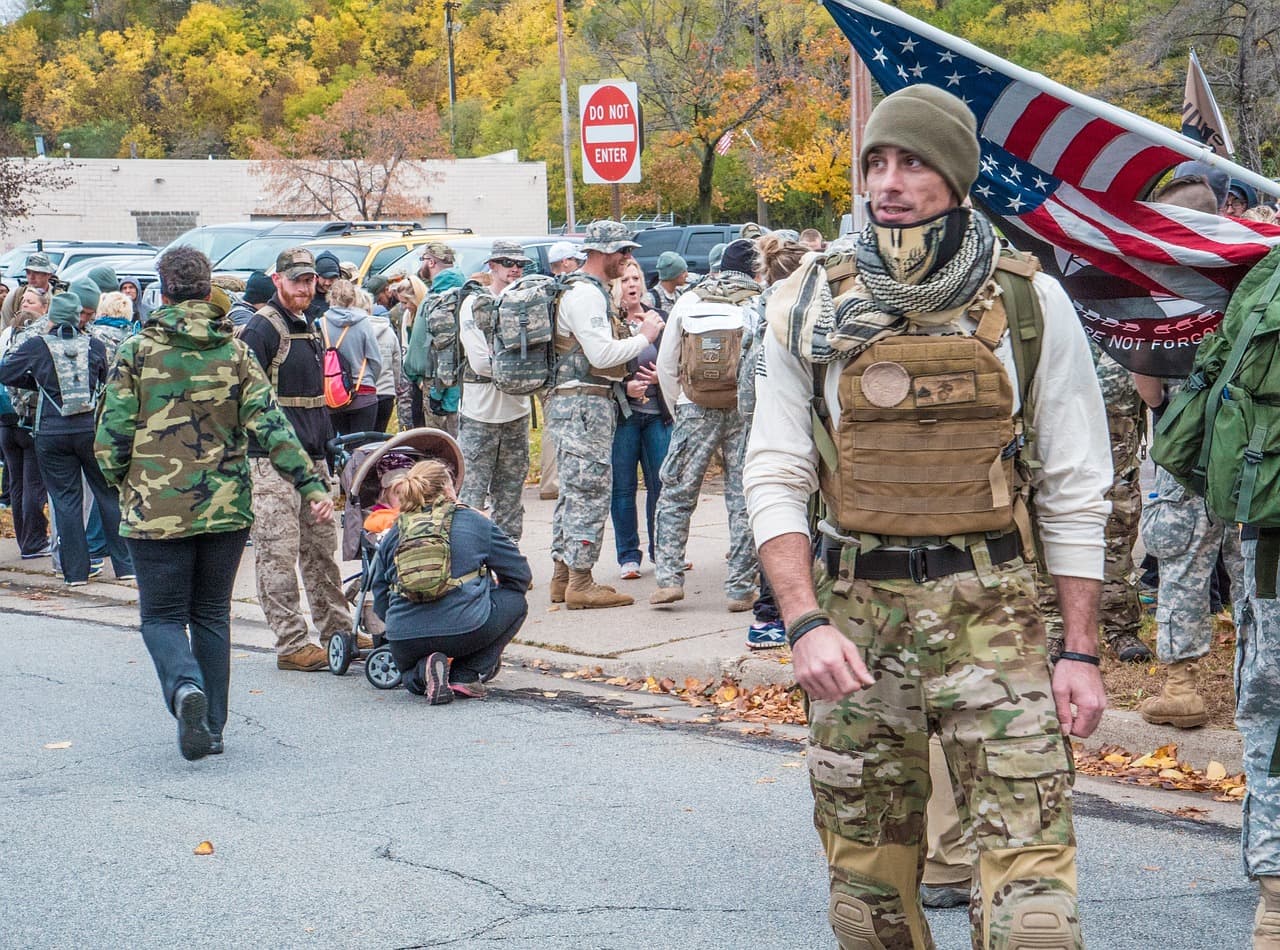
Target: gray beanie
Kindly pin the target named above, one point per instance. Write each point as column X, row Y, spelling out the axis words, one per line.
column 933, row 125
column 64, row 310
column 87, row 292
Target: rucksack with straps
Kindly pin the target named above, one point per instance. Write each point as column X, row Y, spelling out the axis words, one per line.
column 284, row 343
column 444, row 356
column 23, row 401
column 710, row 352
column 423, row 557
column 1220, row 436
column 71, row 364
column 340, row 381
column 521, row 331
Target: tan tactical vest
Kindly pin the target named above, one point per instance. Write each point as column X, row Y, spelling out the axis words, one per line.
column 926, row 441
column 573, row 365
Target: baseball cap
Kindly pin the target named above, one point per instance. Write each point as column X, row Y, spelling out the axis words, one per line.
column 295, row 262
column 328, row 265
column 563, row 251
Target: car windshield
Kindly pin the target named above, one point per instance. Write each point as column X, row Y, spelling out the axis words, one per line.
column 347, row 253
column 216, row 243
column 469, row 260
column 259, row 254
column 117, row 262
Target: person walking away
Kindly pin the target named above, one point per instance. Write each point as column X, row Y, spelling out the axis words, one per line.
column 392, row 388
column 347, row 329
column 593, row 350
column 493, row 426
column 287, row 535
column 67, row 368
column 920, row 614
column 698, row 372
column 448, row 582
column 181, row 402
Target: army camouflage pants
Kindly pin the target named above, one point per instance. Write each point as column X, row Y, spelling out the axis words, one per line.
column 582, row 427
column 697, row 435
column 1179, row 530
column 1258, row 719
column 286, row 537
column 965, row 659
column 496, row 463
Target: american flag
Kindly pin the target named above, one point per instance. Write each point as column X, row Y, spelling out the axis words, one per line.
column 724, row 143
column 1065, row 181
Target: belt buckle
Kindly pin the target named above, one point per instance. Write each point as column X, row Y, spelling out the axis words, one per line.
column 917, row 566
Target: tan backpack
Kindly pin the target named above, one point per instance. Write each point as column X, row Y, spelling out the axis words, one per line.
column 709, row 358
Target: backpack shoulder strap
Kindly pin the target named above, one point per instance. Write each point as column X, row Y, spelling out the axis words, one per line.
column 1013, row 275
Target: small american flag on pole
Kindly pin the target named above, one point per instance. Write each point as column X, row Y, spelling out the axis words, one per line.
column 1063, row 175
column 725, row 143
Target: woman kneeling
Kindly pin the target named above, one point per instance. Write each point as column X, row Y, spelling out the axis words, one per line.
column 448, row 582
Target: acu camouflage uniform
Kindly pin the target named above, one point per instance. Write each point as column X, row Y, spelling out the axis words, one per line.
column 1119, row 609
column 497, row 463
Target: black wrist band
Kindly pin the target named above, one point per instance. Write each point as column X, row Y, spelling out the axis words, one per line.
column 809, row 620
column 1079, row 658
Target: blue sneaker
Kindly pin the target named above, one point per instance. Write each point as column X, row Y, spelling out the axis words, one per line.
column 766, row 635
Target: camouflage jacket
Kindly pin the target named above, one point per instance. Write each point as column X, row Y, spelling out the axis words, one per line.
column 181, row 401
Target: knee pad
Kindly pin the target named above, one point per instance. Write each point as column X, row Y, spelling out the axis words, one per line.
column 850, row 919
column 1042, row 923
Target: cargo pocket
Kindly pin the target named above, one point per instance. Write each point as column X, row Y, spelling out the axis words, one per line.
column 839, row 803
column 1022, row 798
column 1169, row 519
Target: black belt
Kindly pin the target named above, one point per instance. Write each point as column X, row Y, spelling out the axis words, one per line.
column 919, row 564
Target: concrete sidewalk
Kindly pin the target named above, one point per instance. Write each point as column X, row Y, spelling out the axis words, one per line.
column 697, row 637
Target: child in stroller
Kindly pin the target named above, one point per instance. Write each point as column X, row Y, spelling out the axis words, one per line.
column 368, row 464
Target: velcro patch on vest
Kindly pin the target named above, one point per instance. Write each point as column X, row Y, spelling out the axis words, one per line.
column 886, row 384
column 946, row 389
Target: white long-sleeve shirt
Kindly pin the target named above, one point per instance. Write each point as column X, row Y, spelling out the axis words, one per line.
column 701, row 316
column 483, row 401
column 583, row 314
column 1068, row 415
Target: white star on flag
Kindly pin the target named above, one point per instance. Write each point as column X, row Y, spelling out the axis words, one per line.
column 917, row 70
column 909, row 46
column 1015, row 204
column 880, row 57
column 954, row 78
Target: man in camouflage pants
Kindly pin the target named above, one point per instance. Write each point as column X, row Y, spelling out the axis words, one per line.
column 698, row 435
column 493, row 426
column 947, row 623
column 1120, row 609
column 592, row 353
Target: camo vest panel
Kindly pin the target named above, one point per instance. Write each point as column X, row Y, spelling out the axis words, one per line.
column 71, row 364
column 926, row 440
column 572, row 364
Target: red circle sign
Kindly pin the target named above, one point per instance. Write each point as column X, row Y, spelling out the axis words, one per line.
column 610, row 133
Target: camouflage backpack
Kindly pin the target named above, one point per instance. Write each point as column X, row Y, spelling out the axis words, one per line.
column 24, row 401
column 71, row 363
column 444, row 352
column 522, row 335
column 423, row 557
column 710, row 349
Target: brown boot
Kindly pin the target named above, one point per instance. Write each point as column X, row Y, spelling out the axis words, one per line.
column 1266, row 923
column 1179, row 704
column 666, row 595
column 310, row 659
column 559, row 582
column 584, row 593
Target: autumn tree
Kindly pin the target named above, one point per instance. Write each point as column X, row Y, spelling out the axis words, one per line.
column 357, row 158
column 26, row 183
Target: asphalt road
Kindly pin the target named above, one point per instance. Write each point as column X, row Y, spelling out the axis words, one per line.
column 346, row 817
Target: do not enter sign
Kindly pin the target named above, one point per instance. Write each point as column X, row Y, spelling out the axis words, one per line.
column 610, row 123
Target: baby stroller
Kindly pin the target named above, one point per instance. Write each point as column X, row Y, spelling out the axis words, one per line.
column 357, row 456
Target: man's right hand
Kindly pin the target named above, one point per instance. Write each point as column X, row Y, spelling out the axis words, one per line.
column 651, row 326
column 828, row 666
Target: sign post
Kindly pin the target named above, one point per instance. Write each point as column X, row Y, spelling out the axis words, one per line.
column 609, row 119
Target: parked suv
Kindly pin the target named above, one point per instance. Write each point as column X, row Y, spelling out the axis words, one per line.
column 63, row 254
column 472, row 253
column 693, row 242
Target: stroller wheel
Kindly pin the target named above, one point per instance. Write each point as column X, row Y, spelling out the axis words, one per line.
column 342, row 649
column 380, row 669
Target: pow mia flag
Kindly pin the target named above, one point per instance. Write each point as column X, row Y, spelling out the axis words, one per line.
column 1201, row 119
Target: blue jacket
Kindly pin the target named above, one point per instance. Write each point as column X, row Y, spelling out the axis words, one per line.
column 473, row 540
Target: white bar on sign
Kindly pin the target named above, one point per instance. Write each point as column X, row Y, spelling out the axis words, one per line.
column 594, row 134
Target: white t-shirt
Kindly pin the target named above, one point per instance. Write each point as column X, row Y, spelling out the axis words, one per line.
column 483, row 401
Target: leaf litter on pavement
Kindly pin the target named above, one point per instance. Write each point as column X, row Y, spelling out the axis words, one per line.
column 1160, row 769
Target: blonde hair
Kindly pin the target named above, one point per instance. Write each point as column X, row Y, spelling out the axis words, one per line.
column 342, row 293
column 115, row 304
column 424, row 485
column 410, row 290
column 42, row 299
column 776, row 257
column 1260, row 213
column 364, row 300
column 615, row 285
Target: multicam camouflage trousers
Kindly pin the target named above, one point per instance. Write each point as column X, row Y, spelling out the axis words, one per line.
column 1258, row 719
column 966, row 659
column 1179, row 530
column 286, row 537
column 496, row 463
column 582, row 427
column 698, row 434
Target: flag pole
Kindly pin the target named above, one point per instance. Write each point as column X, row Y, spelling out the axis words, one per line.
column 859, row 111
column 1170, row 139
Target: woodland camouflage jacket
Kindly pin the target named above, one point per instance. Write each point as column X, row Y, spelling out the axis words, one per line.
column 181, row 401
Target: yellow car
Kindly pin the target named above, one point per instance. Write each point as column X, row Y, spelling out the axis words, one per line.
column 370, row 251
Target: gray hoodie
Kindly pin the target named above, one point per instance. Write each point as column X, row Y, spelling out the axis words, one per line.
column 359, row 344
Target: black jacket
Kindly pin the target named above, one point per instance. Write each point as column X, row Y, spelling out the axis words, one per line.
column 30, row 366
column 301, row 374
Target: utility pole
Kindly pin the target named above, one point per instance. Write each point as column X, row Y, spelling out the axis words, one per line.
column 571, row 223
column 449, row 7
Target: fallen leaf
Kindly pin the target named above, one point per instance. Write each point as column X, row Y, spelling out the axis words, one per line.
column 1215, row 771
column 204, row 847
column 569, row 676
column 617, row 681
column 793, row 765
column 1151, row 867
column 1173, row 775
column 549, row 694
column 57, row 745
column 1116, row 759
column 667, row 685
column 255, row 692
column 239, row 656
column 766, row 780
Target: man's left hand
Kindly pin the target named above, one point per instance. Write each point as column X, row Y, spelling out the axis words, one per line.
column 1078, row 685
column 322, row 510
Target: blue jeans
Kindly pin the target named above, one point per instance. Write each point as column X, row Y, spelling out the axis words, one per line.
column 640, row 440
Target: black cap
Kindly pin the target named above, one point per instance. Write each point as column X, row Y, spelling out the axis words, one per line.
column 740, row 256
column 258, row 288
column 327, row 265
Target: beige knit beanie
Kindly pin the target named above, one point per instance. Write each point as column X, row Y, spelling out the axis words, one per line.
column 931, row 124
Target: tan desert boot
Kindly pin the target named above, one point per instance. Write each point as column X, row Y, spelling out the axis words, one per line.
column 1266, row 923
column 584, row 593
column 559, row 581
column 1178, row 704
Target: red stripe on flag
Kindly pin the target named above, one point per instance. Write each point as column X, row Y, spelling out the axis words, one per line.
column 1031, row 125
column 1043, row 224
column 1085, row 149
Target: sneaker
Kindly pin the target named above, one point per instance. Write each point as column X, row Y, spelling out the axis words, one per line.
column 630, row 571
column 435, row 672
column 310, row 659
column 493, row 673
column 191, row 708
column 97, row 562
column 944, row 895
column 470, row 689
column 77, row 583
column 95, row 570
column 766, row 635
column 1129, row 649
column 43, row 552
column 126, row 577
column 215, row 744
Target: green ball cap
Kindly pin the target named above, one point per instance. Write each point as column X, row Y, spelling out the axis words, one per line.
column 934, row 126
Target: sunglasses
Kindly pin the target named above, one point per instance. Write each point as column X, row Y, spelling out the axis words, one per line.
column 506, row 262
